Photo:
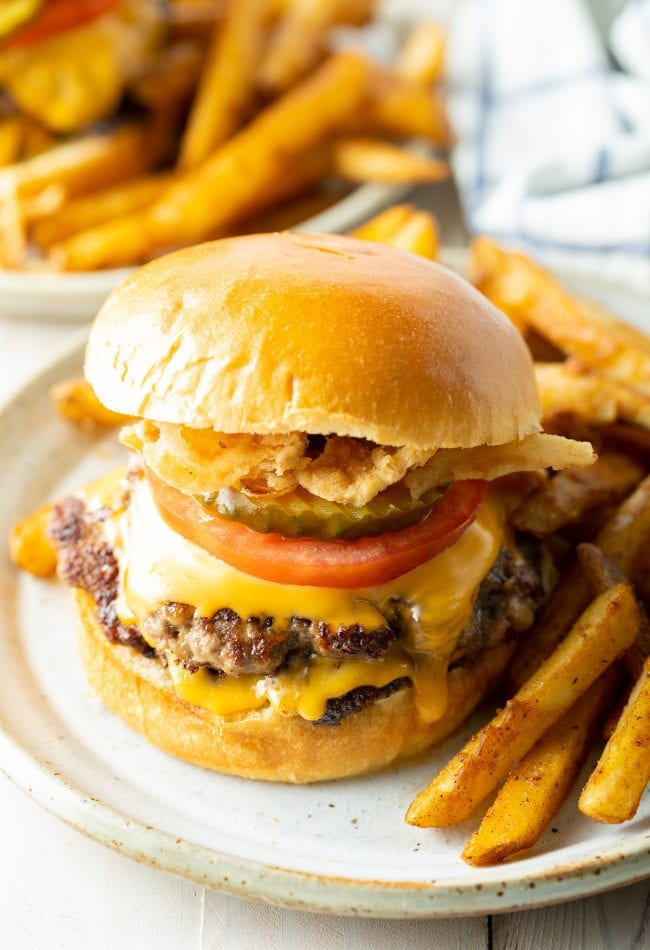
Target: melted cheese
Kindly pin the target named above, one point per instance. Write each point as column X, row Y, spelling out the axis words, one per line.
column 434, row 601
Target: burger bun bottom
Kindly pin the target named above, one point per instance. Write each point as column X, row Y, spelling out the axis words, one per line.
column 264, row 744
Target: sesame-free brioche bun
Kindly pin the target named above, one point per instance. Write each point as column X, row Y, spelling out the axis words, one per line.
column 264, row 744
column 274, row 333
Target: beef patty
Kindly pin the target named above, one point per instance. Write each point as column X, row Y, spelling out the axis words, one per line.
column 505, row 605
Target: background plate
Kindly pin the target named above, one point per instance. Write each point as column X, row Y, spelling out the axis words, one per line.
column 340, row 847
column 34, row 295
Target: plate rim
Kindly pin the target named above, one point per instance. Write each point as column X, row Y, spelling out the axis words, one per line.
column 250, row 878
column 74, row 297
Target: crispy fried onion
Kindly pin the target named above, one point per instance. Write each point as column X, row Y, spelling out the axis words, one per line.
column 347, row 471
column 536, row 451
column 352, row 471
column 201, row 460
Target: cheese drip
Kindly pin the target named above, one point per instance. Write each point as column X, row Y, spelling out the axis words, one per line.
column 433, row 603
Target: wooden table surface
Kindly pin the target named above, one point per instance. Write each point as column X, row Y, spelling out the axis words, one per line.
column 59, row 889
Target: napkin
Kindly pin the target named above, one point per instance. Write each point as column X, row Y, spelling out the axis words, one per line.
column 552, row 132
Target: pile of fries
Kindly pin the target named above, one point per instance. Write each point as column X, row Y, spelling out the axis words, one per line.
column 248, row 107
column 584, row 671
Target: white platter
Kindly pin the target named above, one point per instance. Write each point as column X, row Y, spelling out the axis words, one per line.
column 76, row 297
column 340, row 847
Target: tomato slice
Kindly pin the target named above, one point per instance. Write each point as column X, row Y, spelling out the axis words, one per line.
column 365, row 562
column 57, row 16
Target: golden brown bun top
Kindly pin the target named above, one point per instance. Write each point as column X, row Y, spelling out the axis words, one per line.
column 314, row 333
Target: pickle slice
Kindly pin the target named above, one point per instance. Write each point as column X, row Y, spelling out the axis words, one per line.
column 299, row 514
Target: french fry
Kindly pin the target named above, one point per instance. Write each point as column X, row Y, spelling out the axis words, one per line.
column 422, row 56
column 86, row 164
column 405, row 228
column 90, row 210
column 227, row 84
column 629, row 438
column 570, row 598
column 419, row 235
column 171, row 77
column 13, row 235
column 76, row 402
column 397, row 107
column 30, row 547
column 240, row 175
column 532, row 297
column 193, row 17
column 570, row 494
column 614, row 790
column 601, row 571
column 565, row 391
column 357, row 159
column 633, row 406
column 625, row 539
column 537, row 787
column 385, row 225
column 605, row 630
column 11, row 139
column 287, row 214
column 299, row 40
column 626, row 536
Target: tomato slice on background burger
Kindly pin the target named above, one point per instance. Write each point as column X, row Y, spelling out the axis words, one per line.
column 365, row 562
column 44, row 20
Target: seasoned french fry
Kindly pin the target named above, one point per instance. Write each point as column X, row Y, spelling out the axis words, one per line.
column 13, row 236
column 374, row 160
column 628, row 437
column 75, row 401
column 11, row 139
column 532, row 297
column 395, row 106
column 385, row 224
column 86, row 164
column 91, row 210
column 567, row 496
column 422, row 56
column 570, row 598
column 633, row 406
column 537, row 787
column 227, row 84
column 626, row 536
column 193, row 17
column 419, row 235
column 405, row 228
column 565, row 391
column 30, row 547
column 240, row 175
column 614, row 790
column 171, row 77
column 604, row 631
column 300, row 38
column 600, row 570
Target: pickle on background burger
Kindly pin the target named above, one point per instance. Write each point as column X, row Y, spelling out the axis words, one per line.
column 306, row 570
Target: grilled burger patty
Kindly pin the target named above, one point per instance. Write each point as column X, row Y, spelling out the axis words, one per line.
column 504, row 606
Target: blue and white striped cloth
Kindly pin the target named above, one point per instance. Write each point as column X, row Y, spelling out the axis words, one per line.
column 553, row 138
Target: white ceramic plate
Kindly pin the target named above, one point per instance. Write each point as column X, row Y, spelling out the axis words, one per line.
column 30, row 295
column 341, row 847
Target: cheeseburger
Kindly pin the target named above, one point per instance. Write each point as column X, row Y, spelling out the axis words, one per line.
column 306, row 570
column 68, row 63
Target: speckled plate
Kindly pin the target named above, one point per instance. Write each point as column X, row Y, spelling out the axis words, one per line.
column 341, row 847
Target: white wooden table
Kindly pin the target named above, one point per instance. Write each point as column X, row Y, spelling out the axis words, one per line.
column 59, row 889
